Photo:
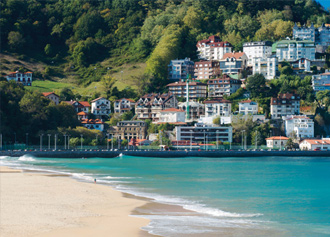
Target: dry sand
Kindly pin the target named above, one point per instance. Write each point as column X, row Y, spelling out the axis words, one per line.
column 34, row 204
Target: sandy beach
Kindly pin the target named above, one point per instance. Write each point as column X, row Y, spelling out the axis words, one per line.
column 39, row 204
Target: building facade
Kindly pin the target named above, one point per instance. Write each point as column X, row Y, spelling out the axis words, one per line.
column 321, row 82
column 96, row 124
column 277, row 142
column 80, row 106
column 265, row 66
column 258, row 49
column 233, row 63
column 293, row 50
column 123, row 105
column 315, row 144
column 221, row 86
column 52, row 96
column 206, row 69
column 212, row 48
column 101, row 107
column 248, row 107
column 25, row 78
column 130, row 130
column 196, row 89
column 180, row 69
column 196, row 109
column 172, row 116
column 219, row 107
column 284, row 104
column 298, row 126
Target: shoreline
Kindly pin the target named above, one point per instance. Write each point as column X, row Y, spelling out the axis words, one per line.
column 38, row 204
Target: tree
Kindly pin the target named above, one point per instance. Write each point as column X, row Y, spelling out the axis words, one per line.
column 289, row 144
column 256, row 85
column 66, row 94
column 48, row 50
column 16, row 40
column 286, row 70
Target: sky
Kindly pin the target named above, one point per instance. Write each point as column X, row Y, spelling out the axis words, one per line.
column 324, row 3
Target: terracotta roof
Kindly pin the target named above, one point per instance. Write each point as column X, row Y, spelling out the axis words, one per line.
column 97, row 99
column 82, row 113
column 85, row 103
column 217, row 101
column 297, row 117
column 233, row 55
column 48, row 93
column 317, row 141
column 277, row 138
column 245, row 101
column 92, row 121
column 135, row 142
column 172, row 110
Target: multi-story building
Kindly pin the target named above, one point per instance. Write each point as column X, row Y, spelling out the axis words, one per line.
column 206, row 69
column 130, row 130
column 150, row 105
column 123, row 105
column 248, row 107
column 315, row 144
column 79, row 106
column 96, row 124
column 221, row 86
column 212, row 48
column 180, row 69
column 25, row 78
column 172, row 116
column 277, row 142
column 196, row 109
column 292, row 50
column 321, row 82
column 196, row 89
column 52, row 96
column 265, row 66
column 298, row 126
column 201, row 133
column 258, row 49
column 101, row 107
column 284, row 104
column 233, row 63
column 219, row 107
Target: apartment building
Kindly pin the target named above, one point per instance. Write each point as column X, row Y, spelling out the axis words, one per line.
column 258, row 49
column 196, row 109
column 179, row 69
column 321, row 82
column 196, row 89
column 213, row 48
column 284, row 104
column 101, row 107
column 292, row 50
column 221, row 86
column 218, row 107
column 123, row 105
column 206, row 69
column 248, row 107
column 130, row 130
column 266, row 66
column 300, row 126
column 233, row 63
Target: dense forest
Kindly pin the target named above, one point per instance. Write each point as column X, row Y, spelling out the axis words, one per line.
column 80, row 34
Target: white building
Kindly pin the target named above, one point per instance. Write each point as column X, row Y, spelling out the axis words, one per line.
column 277, row 142
column 284, row 104
column 233, row 63
column 123, row 105
column 258, row 49
column 196, row 109
column 172, row 115
column 96, row 124
column 52, row 96
column 180, row 69
column 24, row 78
column 321, row 82
column 201, row 133
column 292, row 50
column 101, row 106
column 248, row 107
column 219, row 107
column 301, row 126
column 212, row 48
column 265, row 66
column 315, row 144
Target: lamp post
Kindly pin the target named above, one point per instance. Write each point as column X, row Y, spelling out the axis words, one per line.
column 64, row 141
column 68, row 141
column 27, row 139
column 217, row 139
column 48, row 141
column 81, row 141
column 112, row 141
column 55, row 141
column 191, row 131
column 15, row 137
column 256, row 140
column 242, row 139
column 204, row 141
column 41, row 135
column 1, row 141
column 96, row 139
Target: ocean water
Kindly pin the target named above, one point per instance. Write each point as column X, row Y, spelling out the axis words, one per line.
column 264, row 196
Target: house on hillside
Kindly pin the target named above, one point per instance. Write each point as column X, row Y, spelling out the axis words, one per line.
column 223, row 85
column 299, row 125
column 212, row 48
column 248, row 107
column 233, row 63
column 123, row 105
column 284, row 104
column 52, row 96
column 96, row 124
column 101, row 107
column 25, row 78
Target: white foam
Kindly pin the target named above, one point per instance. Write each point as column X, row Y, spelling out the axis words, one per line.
column 4, row 157
column 26, row 158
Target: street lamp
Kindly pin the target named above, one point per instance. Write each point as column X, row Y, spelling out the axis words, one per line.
column 27, row 139
column 41, row 135
column 242, row 139
column 68, row 141
column 55, row 140
column 191, row 131
column 81, row 141
column 217, row 139
column 64, row 141
column 108, row 141
column 15, row 137
column 48, row 141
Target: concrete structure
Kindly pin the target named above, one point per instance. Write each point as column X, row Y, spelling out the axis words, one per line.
column 315, row 144
column 248, row 107
column 25, row 78
column 219, row 107
column 258, row 49
column 123, row 105
column 221, row 86
column 212, row 48
column 52, row 96
column 149, row 106
column 101, row 107
column 96, row 124
column 201, row 133
column 298, row 126
column 172, row 116
column 321, row 82
column 196, row 110
column 265, row 66
column 284, row 104
column 293, row 50
column 233, row 63
column 196, row 89
column 206, row 69
column 130, row 130
column 180, row 69
column 277, row 142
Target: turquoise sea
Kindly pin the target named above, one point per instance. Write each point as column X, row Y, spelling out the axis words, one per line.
column 264, row 196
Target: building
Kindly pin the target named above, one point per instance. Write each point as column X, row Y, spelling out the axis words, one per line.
column 196, row 110
column 277, row 142
column 123, row 105
column 52, row 96
column 150, row 105
column 196, row 89
column 206, row 69
column 301, row 65
column 219, row 107
column 25, row 78
column 82, row 115
column 248, row 107
column 298, row 126
column 96, row 124
column 212, row 48
column 201, row 133
column 315, row 144
column 258, row 49
column 321, row 82
column 101, row 107
column 266, row 66
column 293, row 50
column 79, row 106
column 172, row 116
column 180, row 69
column 284, row 104
column 233, row 63
column 221, row 86
column 130, row 130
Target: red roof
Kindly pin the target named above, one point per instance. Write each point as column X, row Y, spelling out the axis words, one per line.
column 172, row 110
column 84, row 103
column 136, row 142
column 233, row 55
column 317, row 141
column 217, row 101
column 92, row 121
column 97, row 99
column 49, row 93
column 277, row 138
column 82, row 113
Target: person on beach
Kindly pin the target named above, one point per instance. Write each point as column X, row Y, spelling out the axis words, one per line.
column 95, row 181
